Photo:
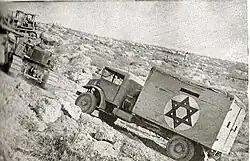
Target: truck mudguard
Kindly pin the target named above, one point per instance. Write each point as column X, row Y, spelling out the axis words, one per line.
column 102, row 104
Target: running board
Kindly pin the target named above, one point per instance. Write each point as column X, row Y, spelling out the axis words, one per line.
column 122, row 114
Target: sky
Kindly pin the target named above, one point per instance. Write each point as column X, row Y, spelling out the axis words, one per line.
column 211, row 28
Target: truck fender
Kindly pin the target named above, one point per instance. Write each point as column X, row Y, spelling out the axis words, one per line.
column 102, row 103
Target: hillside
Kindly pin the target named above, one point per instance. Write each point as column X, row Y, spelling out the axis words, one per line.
column 35, row 126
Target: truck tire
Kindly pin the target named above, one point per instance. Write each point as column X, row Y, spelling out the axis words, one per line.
column 15, row 66
column 198, row 153
column 87, row 102
column 180, row 148
column 109, row 119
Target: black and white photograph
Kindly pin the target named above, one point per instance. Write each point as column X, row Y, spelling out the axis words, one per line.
column 124, row 80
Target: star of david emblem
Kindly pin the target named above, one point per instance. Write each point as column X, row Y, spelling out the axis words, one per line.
column 183, row 103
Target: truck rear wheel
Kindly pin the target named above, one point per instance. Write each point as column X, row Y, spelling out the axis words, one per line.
column 109, row 119
column 87, row 102
column 15, row 66
column 180, row 148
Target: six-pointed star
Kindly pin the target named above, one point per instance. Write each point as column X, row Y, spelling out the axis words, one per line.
column 186, row 119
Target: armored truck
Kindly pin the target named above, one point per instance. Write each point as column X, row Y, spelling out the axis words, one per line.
column 199, row 122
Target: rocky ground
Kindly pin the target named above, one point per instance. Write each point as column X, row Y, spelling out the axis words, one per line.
column 38, row 124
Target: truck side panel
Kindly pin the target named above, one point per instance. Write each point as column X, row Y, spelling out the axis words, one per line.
column 226, row 127
column 200, row 121
column 233, row 133
column 229, row 128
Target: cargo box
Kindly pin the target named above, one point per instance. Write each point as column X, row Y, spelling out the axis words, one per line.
column 208, row 116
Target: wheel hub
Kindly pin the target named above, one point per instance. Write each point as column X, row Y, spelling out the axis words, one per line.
column 179, row 148
column 84, row 102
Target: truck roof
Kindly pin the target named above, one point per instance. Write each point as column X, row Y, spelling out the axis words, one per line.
column 126, row 73
column 191, row 82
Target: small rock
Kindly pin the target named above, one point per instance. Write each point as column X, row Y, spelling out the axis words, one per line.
column 41, row 126
column 130, row 53
column 24, row 86
column 105, row 149
column 63, row 60
column 126, row 159
column 88, row 46
column 71, row 56
column 157, row 62
column 105, row 135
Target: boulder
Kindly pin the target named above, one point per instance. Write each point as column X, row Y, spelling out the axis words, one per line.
column 70, row 109
column 88, row 121
column 49, row 38
column 49, row 110
column 81, row 60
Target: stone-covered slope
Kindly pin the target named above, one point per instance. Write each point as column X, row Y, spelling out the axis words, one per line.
column 46, row 125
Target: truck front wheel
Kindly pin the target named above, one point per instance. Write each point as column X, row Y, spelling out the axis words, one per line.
column 180, row 148
column 87, row 102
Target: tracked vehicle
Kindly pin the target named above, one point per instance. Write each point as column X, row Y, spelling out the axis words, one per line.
column 21, row 22
column 199, row 122
column 24, row 56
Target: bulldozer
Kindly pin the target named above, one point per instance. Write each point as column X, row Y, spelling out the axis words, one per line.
column 26, row 56
column 22, row 22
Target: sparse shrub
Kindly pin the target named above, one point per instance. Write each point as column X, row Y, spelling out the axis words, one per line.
column 53, row 147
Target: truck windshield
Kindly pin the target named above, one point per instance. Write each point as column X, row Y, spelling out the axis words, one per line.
column 112, row 77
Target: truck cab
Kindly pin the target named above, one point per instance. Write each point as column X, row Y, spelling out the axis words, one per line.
column 114, row 89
